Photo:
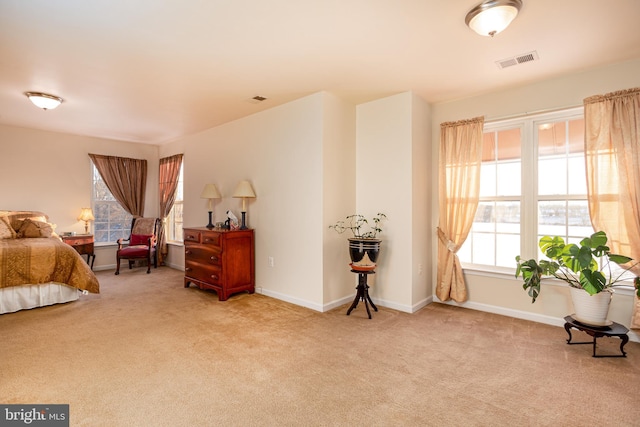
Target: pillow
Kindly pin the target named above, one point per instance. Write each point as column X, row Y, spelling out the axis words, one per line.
column 139, row 239
column 30, row 229
column 6, row 231
column 17, row 217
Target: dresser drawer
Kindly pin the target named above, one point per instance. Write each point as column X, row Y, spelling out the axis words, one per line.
column 210, row 238
column 191, row 236
column 78, row 241
column 201, row 253
column 205, row 273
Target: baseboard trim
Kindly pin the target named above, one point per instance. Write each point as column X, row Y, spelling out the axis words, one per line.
column 518, row 314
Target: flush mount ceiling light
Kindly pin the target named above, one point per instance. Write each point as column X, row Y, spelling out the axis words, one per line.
column 43, row 100
column 492, row 16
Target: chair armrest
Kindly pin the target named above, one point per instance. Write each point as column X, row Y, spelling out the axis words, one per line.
column 121, row 241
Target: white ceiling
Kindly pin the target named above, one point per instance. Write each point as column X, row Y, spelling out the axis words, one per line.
column 154, row 70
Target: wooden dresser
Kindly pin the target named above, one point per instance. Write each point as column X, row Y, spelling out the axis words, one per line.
column 221, row 260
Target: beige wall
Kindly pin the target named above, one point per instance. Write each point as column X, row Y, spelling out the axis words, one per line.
column 503, row 293
column 392, row 146
column 338, row 197
column 51, row 172
column 312, row 162
column 281, row 152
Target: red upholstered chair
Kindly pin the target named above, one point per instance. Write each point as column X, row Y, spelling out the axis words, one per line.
column 142, row 243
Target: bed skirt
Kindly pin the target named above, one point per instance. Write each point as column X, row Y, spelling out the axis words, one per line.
column 15, row 298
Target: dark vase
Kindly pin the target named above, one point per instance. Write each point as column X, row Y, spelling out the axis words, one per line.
column 358, row 248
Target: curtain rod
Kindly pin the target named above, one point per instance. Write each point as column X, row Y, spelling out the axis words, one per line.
column 531, row 113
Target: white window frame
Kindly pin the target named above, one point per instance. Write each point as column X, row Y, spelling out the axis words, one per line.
column 529, row 193
column 118, row 229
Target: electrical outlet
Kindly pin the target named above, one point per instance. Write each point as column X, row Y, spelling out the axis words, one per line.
column 420, row 269
column 271, row 262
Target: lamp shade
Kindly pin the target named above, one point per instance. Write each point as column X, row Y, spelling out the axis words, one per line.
column 43, row 100
column 210, row 191
column 492, row 16
column 244, row 189
column 86, row 214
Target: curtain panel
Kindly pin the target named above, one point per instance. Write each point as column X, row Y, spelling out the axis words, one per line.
column 612, row 152
column 125, row 178
column 168, row 182
column 459, row 192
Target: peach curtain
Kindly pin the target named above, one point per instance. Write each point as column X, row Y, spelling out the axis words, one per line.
column 125, row 178
column 168, row 182
column 612, row 151
column 459, row 189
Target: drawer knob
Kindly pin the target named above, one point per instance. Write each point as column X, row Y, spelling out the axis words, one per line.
column 214, row 277
column 188, row 252
column 187, row 269
column 214, row 258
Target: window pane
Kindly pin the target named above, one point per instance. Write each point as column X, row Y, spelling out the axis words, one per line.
column 174, row 222
column 561, row 172
column 485, row 218
column 507, row 217
column 552, row 176
column 487, row 179
column 577, row 175
column 500, row 177
column 507, row 245
column 111, row 222
column 578, row 219
column 508, row 179
column 552, row 139
column 509, row 145
column 483, row 251
column 576, row 136
column 552, row 218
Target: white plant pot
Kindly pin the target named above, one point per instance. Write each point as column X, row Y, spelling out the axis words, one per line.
column 591, row 309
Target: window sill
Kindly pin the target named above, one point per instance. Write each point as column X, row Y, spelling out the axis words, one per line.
column 105, row 244
column 624, row 288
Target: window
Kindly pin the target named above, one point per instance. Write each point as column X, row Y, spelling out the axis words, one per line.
column 111, row 222
column 532, row 184
column 174, row 222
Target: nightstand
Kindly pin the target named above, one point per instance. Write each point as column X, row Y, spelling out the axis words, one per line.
column 83, row 244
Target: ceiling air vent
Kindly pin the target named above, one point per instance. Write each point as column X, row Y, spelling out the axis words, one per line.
column 257, row 99
column 520, row 59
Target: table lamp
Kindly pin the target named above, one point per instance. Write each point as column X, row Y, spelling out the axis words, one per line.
column 244, row 190
column 86, row 215
column 210, row 192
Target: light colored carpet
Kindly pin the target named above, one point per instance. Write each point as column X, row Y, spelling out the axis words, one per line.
column 147, row 352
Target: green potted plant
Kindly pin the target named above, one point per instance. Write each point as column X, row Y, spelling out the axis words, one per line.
column 364, row 246
column 578, row 266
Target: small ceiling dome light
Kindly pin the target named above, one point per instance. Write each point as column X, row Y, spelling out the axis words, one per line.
column 43, row 100
column 492, row 16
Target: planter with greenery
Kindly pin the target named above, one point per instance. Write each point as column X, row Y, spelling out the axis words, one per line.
column 578, row 266
column 364, row 246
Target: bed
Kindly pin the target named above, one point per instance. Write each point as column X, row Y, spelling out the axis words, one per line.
column 36, row 267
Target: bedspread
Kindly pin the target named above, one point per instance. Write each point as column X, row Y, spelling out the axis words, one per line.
column 44, row 260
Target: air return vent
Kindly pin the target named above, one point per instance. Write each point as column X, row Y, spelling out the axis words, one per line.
column 520, row 59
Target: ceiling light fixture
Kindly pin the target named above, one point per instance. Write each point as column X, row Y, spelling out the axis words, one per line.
column 492, row 16
column 44, row 100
